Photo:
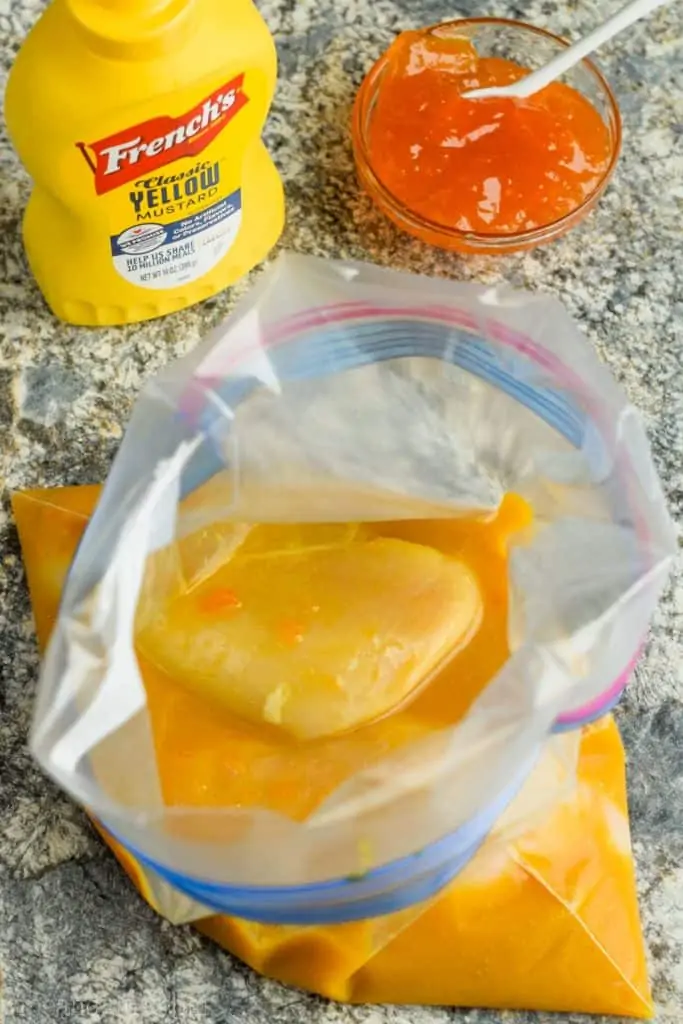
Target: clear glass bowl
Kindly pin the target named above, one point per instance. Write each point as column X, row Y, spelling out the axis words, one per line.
column 492, row 37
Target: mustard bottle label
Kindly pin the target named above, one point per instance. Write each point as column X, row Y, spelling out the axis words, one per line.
column 182, row 220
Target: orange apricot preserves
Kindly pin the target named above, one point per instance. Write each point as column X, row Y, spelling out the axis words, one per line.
column 488, row 166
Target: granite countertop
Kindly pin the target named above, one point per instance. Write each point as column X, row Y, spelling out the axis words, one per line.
column 76, row 943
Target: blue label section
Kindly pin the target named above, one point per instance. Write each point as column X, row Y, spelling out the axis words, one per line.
column 150, row 235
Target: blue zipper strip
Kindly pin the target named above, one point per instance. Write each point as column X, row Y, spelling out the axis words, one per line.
column 333, row 351
column 385, row 890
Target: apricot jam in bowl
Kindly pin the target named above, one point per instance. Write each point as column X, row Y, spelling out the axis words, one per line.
column 482, row 175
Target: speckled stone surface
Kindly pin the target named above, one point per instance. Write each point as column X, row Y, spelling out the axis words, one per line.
column 76, row 943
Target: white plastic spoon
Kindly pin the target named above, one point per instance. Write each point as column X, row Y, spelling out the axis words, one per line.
column 538, row 80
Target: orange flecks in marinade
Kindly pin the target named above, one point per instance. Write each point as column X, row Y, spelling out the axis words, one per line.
column 491, row 166
column 221, row 599
column 290, row 631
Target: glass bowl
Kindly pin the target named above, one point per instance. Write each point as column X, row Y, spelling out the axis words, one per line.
column 492, row 37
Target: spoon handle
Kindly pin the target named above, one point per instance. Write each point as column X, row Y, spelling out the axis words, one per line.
column 538, row 80
column 568, row 58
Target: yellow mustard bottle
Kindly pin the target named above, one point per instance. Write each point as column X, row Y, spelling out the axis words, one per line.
column 140, row 123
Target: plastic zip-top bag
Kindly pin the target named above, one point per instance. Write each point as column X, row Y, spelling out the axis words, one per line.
column 543, row 916
column 309, row 523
